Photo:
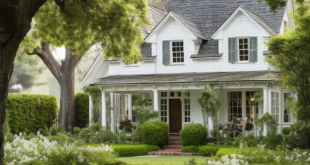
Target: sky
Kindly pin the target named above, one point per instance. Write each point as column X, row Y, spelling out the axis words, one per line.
column 59, row 53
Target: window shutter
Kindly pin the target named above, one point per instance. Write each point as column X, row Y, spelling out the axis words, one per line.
column 166, row 52
column 253, row 49
column 232, row 50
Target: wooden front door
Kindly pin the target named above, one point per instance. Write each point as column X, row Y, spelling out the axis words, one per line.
column 175, row 108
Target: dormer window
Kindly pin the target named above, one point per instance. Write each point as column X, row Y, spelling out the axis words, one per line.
column 243, row 49
column 177, row 52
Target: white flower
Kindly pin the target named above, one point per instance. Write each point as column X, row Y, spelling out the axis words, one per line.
column 308, row 160
column 304, row 153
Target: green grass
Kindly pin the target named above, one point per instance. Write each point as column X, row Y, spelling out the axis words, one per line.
column 162, row 160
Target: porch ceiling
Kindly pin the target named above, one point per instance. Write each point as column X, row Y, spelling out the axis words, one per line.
column 189, row 78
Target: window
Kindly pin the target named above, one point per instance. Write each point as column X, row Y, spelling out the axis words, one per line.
column 275, row 105
column 243, row 49
column 163, row 109
column 287, row 115
column 187, row 108
column 251, row 106
column 177, row 50
column 234, row 105
column 117, row 106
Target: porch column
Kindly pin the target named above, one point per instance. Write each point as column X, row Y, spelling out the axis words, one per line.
column 210, row 123
column 265, row 109
column 129, row 106
column 155, row 100
column 90, row 110
column 112, row 112
column 104, row 109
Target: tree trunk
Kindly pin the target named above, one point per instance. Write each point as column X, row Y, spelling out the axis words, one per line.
column 14, row 25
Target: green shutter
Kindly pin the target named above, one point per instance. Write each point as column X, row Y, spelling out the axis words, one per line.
column 166, row 52
column 253, row 49
column 232, row 50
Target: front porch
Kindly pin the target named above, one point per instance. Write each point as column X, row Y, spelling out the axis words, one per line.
column 236, row 94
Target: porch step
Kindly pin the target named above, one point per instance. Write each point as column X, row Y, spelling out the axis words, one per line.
column 172, row 146
column 174, row 143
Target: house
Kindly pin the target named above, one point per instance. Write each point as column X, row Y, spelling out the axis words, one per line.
column 194, row 44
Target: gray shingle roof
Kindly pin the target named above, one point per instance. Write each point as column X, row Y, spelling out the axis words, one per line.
column 190, row 78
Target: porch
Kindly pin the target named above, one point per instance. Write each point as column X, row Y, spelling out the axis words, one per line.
column 237, row 100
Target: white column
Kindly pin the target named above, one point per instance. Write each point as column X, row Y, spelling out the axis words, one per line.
column 265, row 109
column 104, row 109
column 90, row 109
column 210, row 124
column 155, row 100
column 129, row 106
column 112, row 112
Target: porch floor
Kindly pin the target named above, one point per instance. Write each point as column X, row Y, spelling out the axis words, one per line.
column 173, row 148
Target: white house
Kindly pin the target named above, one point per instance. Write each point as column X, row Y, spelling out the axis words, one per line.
column 193, row 44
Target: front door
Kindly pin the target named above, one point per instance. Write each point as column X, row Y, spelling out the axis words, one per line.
column 175, row 107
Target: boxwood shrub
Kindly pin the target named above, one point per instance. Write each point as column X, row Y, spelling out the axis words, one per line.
column 286, row 130
column 133, row 150
column 81, row 109
column 155, row 133
column 190, row 149
column 30, row 112
column 194, row 134
column 209, row 150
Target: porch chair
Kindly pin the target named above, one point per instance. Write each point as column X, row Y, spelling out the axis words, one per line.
column 243, row 124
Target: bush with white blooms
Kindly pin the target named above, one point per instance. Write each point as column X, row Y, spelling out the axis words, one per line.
column 41, row 151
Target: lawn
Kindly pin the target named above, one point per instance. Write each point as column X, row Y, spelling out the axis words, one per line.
column 162, row 160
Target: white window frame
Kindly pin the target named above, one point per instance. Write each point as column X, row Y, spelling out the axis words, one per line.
column 229, row 115
column 244, row 49
column 171, row 53
column 255, row 106
column 274, row 105
column 133, row 64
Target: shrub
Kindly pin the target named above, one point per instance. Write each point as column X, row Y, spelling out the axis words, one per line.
column 299, row 138
column 155, row 133
column 228, row 151
column 96, row 127
column 29, row 112
column 133, row 150
column 209, row 150
column 273, row 141
column 9, row 137
column 81, row 109
column 190, row 149
column 250, row 140
column 122, row 136
column 60, row 138
column 194, row 134
column 136, row 133
column 286, row 131
column 228, row 139
column 77, row 130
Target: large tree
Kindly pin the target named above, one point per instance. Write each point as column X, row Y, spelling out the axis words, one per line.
column 291, row 54
column 78, row 25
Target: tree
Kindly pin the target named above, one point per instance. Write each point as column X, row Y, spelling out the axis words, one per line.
column 290, row 53
column 26, row 70
column 141, row 104
column 275, row 4
column 209, row 103
column 78, row 25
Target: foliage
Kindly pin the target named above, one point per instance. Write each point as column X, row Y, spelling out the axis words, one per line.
column 122, row 136
column 29, row 113
column 141, row 104
column 260, row 100
column 27, row 69
column 299, row 138
column 249, row 126
column 250, row 140
column 192, row 161
column 40, row 150
column 136, row 133
column 97, row 134
column 216, row 133
column 190, row 149
column 228, row 151
column 194, row 134
column 209, row 103
column 6, row 125
column 271, row 123
column 209, row 150
column 275, row 4
column 290, row 53
column 286, row 131
column 155, row 133
column 228, row 139
column 273, row 141
column 133, row 150
column 81, row 109
column 95, row 94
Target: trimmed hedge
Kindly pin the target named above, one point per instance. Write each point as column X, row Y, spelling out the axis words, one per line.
column 286, row 130
column 30, row 112
column 155, row 133
column 190, row 149
column 81, row 109
column 194, row 134
column 127, row 150
column 209, row 150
